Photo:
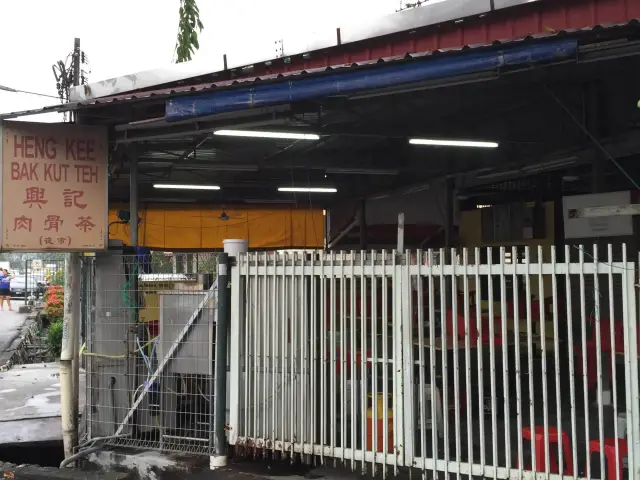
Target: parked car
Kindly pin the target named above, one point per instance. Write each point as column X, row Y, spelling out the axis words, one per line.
column 33, row 285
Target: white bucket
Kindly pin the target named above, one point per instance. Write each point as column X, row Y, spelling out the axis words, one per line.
column 234, row 247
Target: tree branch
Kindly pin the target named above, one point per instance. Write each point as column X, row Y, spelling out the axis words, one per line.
column 189, row 26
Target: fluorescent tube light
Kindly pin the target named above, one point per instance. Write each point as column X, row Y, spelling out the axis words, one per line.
column 185, row 187
column 259, row 134
column 167, row 200
column 308, row 190
column 268, row 201
column 361, row 171
column 452, row 143
column 220, row 167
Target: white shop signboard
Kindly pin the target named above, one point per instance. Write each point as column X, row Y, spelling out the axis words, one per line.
column 54, row 187
column 614, row 226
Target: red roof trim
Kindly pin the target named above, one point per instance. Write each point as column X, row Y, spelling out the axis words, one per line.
column 536, row 18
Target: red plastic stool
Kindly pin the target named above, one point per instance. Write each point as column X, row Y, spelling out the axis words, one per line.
column 540, row 449
column 610, row 454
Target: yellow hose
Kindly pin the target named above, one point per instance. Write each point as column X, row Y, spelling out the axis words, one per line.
column 100, row 355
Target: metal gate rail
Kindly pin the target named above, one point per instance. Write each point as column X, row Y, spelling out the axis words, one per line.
column 440, row 361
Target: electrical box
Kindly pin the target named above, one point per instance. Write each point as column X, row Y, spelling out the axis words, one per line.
column 186, row 384
column 194, row 355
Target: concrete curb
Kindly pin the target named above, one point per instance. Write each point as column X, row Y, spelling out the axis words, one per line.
column 32, row 472
column 17, row 351
column 147, row 464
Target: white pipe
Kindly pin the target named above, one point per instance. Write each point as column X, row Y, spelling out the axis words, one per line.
column 70, row 343
column 343, row 233
column 400, row 247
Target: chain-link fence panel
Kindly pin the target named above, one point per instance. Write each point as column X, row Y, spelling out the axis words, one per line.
column 150, row 349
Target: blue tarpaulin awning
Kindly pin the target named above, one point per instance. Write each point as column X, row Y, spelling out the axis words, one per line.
column 323, row 85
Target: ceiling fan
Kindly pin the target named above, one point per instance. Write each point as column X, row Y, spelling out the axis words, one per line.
column 224, row 217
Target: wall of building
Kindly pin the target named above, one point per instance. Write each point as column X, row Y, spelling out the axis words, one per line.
column 470, row 232
column 421, row 209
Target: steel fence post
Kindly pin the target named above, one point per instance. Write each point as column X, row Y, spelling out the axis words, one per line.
column 223, row 317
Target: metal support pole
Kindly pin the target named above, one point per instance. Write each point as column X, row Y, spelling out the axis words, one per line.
column 223, row 319
column 133, row 199
column 450, row 212
column 76, row 319
column 362, row 221
column 68, row 356
column 595, row 122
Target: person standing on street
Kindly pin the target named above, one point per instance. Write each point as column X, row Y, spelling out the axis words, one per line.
column 5, row 289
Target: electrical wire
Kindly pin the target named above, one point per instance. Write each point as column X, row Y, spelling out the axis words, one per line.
column 144, row 357
column 203, row 395
column 612, row 265
column 81, row 454
column 128, row 301
column 592, row 138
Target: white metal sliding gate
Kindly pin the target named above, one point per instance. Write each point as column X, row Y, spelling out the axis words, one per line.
column 497, row 363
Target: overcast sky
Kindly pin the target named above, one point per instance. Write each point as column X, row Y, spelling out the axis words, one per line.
column 128, row 36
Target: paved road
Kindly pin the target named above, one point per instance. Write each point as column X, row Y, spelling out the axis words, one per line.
column 30, row 401
column 11, row 324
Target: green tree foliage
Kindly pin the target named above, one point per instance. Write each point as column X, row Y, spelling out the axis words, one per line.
column 58, row 278
column 189, row 26
column 53, row 339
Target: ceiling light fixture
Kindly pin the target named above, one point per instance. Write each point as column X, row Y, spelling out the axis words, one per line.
column 167, row 200
column 307, row 190
column 268, row 201
column 185, row 187
column 453, row 143
column 216, row 167
column 260, row 134
column 361, row 171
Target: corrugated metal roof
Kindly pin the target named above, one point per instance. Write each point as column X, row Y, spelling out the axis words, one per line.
column 433, row 26
column 161, row 94
column 326, row 38
column 201, row 87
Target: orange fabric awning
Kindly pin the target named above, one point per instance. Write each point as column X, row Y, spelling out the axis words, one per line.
column 200, row 228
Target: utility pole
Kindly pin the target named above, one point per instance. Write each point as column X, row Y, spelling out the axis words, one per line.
column 69, row 358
